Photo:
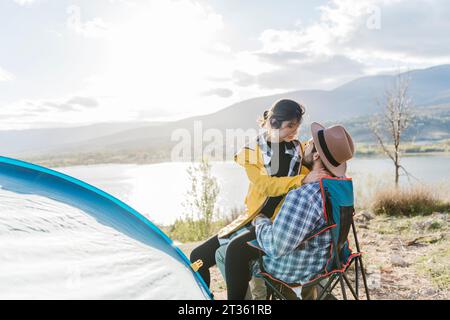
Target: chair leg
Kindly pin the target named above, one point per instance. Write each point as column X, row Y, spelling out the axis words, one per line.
column 363, row 273
column 356, row 278
column 333, row 280
column 344, row 294
column 325, row 288
column 274, row 291
column 268, row 293
column 349, row 285
column 309, row 293
column 334, row 285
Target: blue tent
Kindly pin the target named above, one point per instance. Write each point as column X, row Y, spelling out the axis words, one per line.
column 25, row 178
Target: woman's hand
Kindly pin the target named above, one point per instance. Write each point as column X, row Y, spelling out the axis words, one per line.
column 315, row 176
column 301, row 151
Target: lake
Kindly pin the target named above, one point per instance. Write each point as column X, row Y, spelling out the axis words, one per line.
column 159, row 190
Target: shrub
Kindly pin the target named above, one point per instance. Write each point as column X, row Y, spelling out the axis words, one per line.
column 188, row 230
column 200, row 205
column 408, row 202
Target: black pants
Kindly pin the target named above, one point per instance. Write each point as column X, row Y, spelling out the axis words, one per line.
column 237, row 259
column 207, row 253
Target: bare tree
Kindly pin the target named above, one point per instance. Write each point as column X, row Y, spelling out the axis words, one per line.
column 395, row 119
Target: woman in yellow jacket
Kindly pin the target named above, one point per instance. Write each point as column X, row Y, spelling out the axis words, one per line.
column 273, row 166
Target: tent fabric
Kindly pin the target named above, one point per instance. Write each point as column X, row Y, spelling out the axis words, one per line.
column 26, row 178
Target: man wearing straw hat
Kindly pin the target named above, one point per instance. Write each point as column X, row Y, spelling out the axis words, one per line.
column 302, row 213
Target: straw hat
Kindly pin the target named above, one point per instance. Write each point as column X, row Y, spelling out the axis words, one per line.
column 335, row 147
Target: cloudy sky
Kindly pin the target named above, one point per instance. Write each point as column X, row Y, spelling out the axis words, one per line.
column 71, row 62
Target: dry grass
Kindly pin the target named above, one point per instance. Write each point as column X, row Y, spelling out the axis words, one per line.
column 410, row 201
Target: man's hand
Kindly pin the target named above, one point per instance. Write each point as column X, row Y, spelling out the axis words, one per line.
column 315, row 176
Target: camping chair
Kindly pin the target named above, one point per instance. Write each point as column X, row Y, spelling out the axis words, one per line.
column 337, row 195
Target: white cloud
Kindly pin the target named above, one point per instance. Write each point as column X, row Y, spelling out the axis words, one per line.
column 339, row 22
column 161, row 54
column 92, row 28
column 25, row 2
column 320, row 71
column 70, row 110
column 353, row 38
column 5, row 75
column 220, row 92
column 168, row 55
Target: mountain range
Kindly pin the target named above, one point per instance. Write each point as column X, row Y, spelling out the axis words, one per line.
column 352, row 104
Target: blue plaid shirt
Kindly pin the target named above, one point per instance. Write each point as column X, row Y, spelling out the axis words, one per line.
column 301, row 214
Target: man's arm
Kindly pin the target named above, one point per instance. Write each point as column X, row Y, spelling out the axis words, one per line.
column 293, row 223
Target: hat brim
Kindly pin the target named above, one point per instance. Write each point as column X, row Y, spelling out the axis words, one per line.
column 338, row 171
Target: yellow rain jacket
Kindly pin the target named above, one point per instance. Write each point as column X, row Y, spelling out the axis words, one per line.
column 262, row 185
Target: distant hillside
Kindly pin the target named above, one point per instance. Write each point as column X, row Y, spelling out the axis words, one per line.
column 357, row 98
column 429, row 124
column 429, row 132
column 38, row 141
column 351, row 104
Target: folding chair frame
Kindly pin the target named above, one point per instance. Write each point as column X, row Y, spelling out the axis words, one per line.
column 334, row 279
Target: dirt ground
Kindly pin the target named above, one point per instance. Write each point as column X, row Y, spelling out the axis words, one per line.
column 405, row 258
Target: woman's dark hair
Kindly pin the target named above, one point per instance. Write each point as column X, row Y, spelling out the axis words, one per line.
column 282, row 110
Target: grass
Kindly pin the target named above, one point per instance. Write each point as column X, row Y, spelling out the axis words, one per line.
column 435, row 265
column 421, row 241
column 188, row 230
column 408, row 202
